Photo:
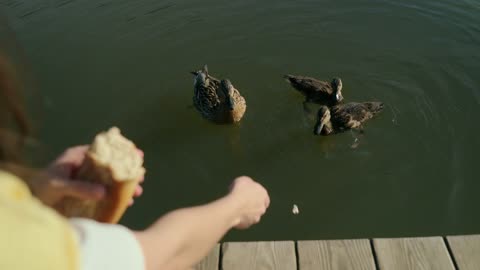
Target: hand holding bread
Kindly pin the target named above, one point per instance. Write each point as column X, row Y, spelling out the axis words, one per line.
column 114, row 162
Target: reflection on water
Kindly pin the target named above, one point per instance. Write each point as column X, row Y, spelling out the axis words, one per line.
column 412, row 173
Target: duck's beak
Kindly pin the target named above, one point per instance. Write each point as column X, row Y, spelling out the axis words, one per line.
column 338, row 97
column 318, row 128
column 230, row 103
column 194, row 72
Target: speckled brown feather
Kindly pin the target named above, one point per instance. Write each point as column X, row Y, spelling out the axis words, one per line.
column 206, row 99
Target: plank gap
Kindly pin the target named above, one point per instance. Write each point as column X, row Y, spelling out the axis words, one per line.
column 374, row 254
column 220, row 257
column 297, row 260
column 450, row 252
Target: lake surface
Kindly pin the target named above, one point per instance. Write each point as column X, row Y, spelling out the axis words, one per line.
column 127, row 63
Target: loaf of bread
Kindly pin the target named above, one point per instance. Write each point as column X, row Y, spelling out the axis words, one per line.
column 113, row 161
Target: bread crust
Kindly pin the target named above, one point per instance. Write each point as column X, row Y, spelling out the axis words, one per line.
column 119, row 192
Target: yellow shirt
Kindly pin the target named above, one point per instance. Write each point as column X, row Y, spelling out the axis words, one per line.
column 32, row 236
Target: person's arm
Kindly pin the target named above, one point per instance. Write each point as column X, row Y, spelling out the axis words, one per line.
column 181, row 238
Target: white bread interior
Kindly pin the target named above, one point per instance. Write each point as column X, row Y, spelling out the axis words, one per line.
column 113, row 161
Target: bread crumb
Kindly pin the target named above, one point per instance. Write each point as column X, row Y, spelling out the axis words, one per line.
column 295, row 210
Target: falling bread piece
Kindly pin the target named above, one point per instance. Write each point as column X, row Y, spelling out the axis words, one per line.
column 113, row 161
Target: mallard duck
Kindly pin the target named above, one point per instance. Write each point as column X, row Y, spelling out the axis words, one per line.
column 345, row 116
column 317, row 91
column 217, row 100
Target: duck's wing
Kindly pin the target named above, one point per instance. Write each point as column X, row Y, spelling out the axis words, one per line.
column 206, row 96
column 308, row 84
column 374, row 107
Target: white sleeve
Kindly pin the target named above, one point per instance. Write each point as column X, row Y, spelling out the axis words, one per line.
column 107, row 246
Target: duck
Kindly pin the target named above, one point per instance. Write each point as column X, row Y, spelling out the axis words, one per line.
column 217, row 100
column 317, row 91
column 346, row 116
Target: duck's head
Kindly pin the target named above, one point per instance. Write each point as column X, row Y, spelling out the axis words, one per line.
column 323, row 117
column 201, row 76
column 200, row 79
column 337, row 88
column 227, row 89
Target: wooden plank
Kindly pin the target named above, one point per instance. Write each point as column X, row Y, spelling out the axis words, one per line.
column 423, row 253
column 335, row 255
column 466, row 251
column 211, row 261
column 259, row 255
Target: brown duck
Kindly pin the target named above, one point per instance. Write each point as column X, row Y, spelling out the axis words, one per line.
column 345, row 116
column 217, row 100
column 317, row 91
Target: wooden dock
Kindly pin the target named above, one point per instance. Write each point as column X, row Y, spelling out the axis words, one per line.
column 422, row 253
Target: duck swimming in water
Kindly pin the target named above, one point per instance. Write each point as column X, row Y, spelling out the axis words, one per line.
column 217, row 100
column 317, row 91
column 345, row 116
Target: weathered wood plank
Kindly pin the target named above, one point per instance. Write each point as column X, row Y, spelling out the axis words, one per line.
column 211, row 261
column 259, row 255
column 335, row 255
column 466, row 251
column 423, row 253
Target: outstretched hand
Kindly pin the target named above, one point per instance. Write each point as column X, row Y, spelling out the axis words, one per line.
column 253, row 201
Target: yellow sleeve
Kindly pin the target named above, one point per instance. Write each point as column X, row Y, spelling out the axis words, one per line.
column 32, row 235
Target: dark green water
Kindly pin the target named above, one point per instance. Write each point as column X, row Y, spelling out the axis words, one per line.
column 126, row 63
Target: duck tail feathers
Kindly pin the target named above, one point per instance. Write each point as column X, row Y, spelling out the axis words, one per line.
column 289, row 78
column 375, row 106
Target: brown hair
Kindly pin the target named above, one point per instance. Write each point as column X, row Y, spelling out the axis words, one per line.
column 14, row 124
column 15, row 127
